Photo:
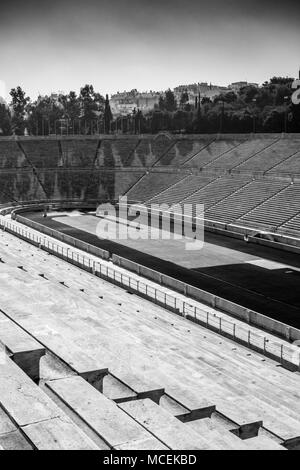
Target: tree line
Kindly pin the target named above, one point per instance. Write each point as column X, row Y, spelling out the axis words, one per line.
column 62, row 113
column 251, row 109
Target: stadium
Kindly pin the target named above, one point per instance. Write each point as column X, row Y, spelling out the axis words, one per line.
column 134, row 344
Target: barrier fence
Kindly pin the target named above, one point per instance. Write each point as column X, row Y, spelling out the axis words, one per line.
column 288, row 356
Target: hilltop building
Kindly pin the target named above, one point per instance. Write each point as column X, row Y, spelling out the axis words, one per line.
column 124, row 103
column 206, row 91
column 236, row 86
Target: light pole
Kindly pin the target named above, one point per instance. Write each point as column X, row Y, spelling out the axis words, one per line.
column 139, row 121
column 285, row 114
column 253, row 115
column 222, row 116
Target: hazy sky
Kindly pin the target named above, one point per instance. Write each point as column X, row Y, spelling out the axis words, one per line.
column 145, row 44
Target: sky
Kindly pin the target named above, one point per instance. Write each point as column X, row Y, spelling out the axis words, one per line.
column 119, row 45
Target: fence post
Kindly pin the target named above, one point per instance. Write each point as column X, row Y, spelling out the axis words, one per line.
column 220, row 326
column 207, row 318
column 281, row 353
column 265, row 340
column 249, row 333
column 234, row 325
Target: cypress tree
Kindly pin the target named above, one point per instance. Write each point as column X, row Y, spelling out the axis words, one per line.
column 107, row 115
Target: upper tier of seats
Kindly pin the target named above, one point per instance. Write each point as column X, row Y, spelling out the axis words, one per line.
column 211, row 152
column 183, row 151
column 62, row 183
column 11, row 156
column 132, row 152
column 20, row 186
column 290, row 166
column 44, row 154
column 217, row 190
column 244, row 200
column 243, row 153
column 275, row 211
column 181, row 190
column 79, row 153
column 205, row 169
column 271, row 156
column 152, row 184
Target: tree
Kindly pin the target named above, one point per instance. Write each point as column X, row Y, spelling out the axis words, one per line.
column 187, row 107
column 205, row 100
column 161, row 103
column 170, row 102
column 71, row 105
column 72, row 108
column 282, row 92
column 91, row 106
column 240, row 121
column 139, row 122
column 273, row 119
column 294, row 118
column 281, row 81
column 180, row 120
column 248, row 93
column 5, row 120
column 107, row 115
column 184, row 98
column 44, row 115
column 18, row 103
column 230, row 97
column 157, row 121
